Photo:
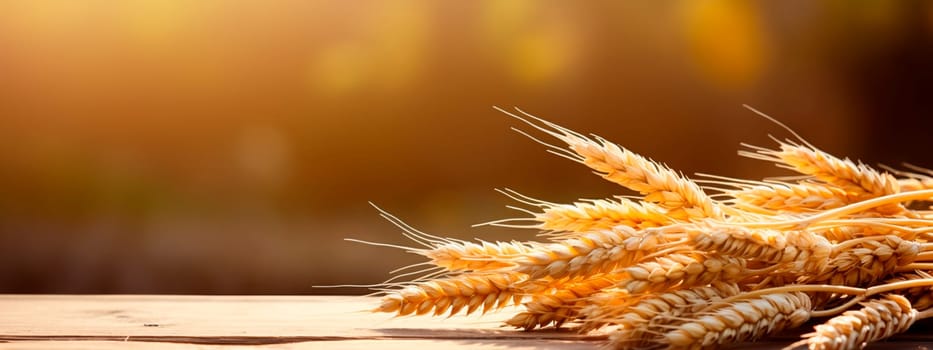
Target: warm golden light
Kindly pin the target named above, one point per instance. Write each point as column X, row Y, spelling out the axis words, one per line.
column 727, row 41
column 169, row 146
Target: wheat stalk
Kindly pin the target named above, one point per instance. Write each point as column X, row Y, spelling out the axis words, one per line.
column 803, row 249
column 920, row 297
column 876, row 320
column 848, row 175
column 469, row 256
column 601, row 215
column 741, row 321
column 642, row 322
column 484, row 291
column 865, row 263
column 682, row 270
column 783, row 197
column 855, row 178
column 559, row 304
column 658, row 183
column 593, row 252
column 675, row 268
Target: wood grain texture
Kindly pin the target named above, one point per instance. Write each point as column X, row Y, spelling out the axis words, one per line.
column 273, row 322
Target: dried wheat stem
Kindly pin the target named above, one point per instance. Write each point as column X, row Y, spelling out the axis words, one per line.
column 826, row 288
column 925, row 255
column 877, row 319
column 741, row 321
column 845, row 230
column 842, row 233
column 920, row 297
column 916, row 266
column 888, row 287
column 852, row 242
column 849, row 229
column 819, row 299
column 791, row 288
column 846, row 210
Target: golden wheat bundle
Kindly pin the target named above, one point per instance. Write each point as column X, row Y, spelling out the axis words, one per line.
column 844, row 244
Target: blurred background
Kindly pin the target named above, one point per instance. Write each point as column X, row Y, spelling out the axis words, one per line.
column 228, row 147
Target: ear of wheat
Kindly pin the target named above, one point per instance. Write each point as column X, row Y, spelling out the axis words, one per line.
column 679, row 268
column 877, row 319
column 742, row 320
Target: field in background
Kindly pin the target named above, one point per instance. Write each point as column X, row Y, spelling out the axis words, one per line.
column 228, row 147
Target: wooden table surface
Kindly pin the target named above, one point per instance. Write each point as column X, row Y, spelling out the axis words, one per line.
column 280, row 322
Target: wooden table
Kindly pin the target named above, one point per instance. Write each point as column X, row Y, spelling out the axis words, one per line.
column 278, row 322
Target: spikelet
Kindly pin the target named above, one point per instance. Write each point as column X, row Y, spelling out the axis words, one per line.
column 682, row 270
column 590, row 253
column 643, row 321
column 794, row 198
column 605, row 306
column 741, row 321
column 601, row 215
column 659, row 184
column 469, row 256
column 915, row 184
column 876, row 320
column 560, row 304
column 485, row 291
column 865, row 263
column 856, row 179
column 803, row 250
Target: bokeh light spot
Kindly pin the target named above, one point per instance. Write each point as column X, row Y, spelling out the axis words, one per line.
column 727, row 41
column 338, row 69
